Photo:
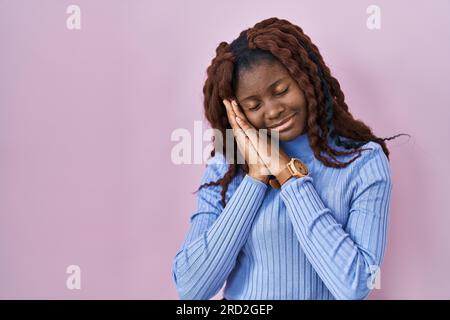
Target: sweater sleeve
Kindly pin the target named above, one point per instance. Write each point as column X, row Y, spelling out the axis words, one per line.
column 216, row 235
column 347, row 259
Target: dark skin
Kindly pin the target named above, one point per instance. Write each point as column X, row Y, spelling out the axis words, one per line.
column 262, row 102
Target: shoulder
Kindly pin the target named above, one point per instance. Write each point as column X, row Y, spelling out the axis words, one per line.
column 209, row 197
column 218, row 159
column 370, row 151
column 216, row 168
column 373, row 163
column 373, row 152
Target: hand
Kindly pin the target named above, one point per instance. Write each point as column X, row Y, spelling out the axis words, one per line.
column 257, row 168
column 274, row 158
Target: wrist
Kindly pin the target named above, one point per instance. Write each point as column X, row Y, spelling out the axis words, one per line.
column 282, row 163
column 295, row 168
column 262, row 178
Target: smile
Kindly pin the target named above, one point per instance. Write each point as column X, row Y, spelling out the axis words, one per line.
column 285, row 124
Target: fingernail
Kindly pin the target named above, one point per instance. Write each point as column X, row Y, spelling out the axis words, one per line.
column 238, row 119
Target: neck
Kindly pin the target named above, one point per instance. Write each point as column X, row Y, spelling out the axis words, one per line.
column 298, row 147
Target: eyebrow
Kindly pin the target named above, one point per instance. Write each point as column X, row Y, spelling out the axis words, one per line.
column 271, row 86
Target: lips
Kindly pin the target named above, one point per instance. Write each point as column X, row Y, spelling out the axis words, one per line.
column 284, row 123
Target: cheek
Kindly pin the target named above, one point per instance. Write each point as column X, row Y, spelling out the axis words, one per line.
column 255, row 119
column 301, row 98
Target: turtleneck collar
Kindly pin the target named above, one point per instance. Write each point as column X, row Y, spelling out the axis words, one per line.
column 298, row 147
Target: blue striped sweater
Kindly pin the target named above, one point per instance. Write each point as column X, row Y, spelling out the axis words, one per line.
column 318, row 237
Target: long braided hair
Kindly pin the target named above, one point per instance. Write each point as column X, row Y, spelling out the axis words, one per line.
column 279, row 40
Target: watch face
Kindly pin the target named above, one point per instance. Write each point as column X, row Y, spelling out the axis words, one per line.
column 300, row 167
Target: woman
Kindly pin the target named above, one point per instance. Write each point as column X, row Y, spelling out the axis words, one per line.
column 308, row 221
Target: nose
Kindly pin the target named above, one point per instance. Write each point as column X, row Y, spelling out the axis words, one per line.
column 274, row 113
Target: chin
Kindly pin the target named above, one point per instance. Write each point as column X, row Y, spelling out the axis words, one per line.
column 289, row 135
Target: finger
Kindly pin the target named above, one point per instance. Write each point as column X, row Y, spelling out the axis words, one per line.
column 238, row 111
column 238, row 133
column 259, row 143
column 233, row 120
column 243, row 143
column 266, row 148
column 250, row 131
column 247, row 149
column 243, row 122
column 230, row 114
column 245, row 133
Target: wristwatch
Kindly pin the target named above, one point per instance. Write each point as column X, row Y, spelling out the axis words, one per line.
column 295, row 168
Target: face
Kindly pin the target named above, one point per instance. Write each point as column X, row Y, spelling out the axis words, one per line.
column 271, row 99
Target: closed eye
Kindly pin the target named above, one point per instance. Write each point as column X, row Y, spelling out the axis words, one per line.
column 277, row 94
column 281, row 93
column 254, row 108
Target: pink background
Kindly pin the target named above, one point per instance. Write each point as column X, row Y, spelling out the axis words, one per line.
column 86, row 117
